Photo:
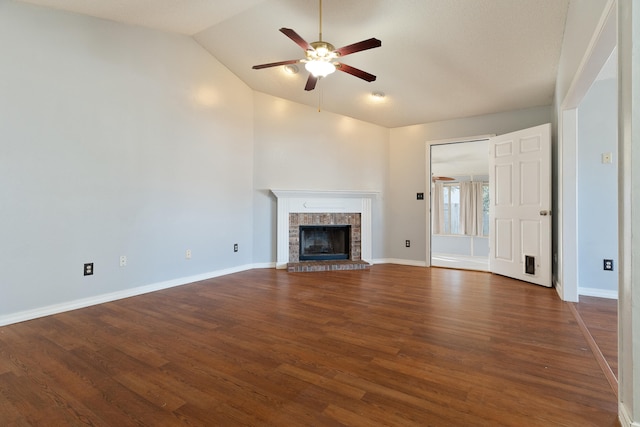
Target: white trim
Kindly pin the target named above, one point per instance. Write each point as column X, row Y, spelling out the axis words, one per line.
column 459, row 140
column 113, row 296
column 400, row 262
column 429, row 143
column 314, row 201
column 624, row 417
column 429, row 186
column 264, row 265
column 558, row 286
column 600, row 293
column 567, row 211
column 349, row 194
column 601, row 45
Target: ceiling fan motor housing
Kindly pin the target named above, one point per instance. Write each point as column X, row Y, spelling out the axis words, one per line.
column 321, row 51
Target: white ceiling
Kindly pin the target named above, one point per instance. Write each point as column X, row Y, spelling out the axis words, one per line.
column 440, row 59
column 460, row 159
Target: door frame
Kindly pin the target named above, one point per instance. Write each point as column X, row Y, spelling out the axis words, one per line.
column 428, row 178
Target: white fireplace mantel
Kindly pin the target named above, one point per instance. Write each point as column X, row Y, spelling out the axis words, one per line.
column 313, row 201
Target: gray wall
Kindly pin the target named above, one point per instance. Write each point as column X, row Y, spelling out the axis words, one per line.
column 598, row 189
column 299, row 148
column 115, row 140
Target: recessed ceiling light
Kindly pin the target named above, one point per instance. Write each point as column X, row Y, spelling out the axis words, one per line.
column 291, row 69
column 377, row 95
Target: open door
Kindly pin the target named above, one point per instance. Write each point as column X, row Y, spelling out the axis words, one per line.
column 520, row 209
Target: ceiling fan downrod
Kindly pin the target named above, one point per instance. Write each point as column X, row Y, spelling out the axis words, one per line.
column 320, row 25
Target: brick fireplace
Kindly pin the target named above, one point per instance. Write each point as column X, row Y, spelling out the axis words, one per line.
column 324, row 219
column 296, row 208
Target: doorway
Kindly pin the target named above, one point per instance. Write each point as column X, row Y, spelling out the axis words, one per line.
column 460, row 204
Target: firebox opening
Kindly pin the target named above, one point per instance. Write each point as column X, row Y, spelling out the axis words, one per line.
column 324, row 242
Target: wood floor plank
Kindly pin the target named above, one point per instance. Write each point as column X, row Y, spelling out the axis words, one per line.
column 390, row 345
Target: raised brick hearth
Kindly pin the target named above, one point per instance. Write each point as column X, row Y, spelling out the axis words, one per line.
column 307, row 266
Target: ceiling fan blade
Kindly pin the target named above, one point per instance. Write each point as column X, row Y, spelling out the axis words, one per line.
column 296, row 38
column 275, row 64
column 355, row 72
column 311, row 82
column 358, row 47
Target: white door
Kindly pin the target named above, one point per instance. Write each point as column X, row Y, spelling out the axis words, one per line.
column 520, row 209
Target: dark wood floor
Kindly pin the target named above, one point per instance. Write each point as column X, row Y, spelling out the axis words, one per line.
column 392, row 345
column 600, row 316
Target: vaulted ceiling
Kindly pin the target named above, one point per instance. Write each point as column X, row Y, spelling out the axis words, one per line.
column 440, row 59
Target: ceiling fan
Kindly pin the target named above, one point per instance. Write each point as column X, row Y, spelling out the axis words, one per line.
column 321, row 58
column 442, row 178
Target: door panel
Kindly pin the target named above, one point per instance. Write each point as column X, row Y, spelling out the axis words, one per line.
column 503, row 185
column 504, row 233
column 520, row 193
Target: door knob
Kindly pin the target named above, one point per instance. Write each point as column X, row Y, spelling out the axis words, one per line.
column 545, row 213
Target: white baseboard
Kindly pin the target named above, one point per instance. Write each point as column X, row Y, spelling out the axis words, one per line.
column 399, row 261
column 600, row 293
column 264, row 265
column 625, row 418
column 112, row 296
column 558, row 285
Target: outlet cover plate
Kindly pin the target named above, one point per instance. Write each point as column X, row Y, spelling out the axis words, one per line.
column 88, row 269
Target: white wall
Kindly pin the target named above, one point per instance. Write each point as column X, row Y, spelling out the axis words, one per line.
column 115, row 140
column 407, row 217
column 299, row 148
column 583, row 17
column 597, row 190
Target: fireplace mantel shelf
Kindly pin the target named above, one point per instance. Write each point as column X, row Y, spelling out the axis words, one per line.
column 324, row 194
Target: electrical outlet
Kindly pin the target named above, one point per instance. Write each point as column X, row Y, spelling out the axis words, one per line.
column 407, row 243
column 235, row 247
column 123, row 261
column 88, row 269
column 608, row 265
column 420, row 196
column 188, row 254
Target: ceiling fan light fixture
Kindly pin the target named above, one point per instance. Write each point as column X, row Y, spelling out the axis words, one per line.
column 320, row 68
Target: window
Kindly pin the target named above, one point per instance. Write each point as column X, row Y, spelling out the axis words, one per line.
column 452, row 218
column 485, row 208
column 451, row 208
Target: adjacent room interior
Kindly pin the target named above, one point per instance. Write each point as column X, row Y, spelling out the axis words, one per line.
column 460, row 205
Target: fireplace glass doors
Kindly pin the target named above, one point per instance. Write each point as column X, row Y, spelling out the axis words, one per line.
column 324, row 242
